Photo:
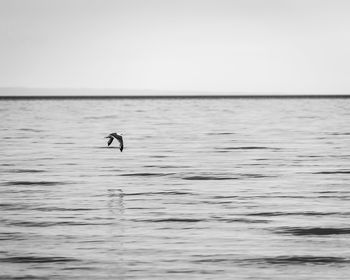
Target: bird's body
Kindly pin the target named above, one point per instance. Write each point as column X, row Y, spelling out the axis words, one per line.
column 118, row 137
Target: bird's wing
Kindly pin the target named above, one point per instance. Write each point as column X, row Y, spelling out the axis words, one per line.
column 121, row 144
column 120, row 139
column 110, row 141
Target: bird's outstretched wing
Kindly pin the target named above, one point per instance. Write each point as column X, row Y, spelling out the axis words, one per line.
column 121, row 144
column 110, row 140
column 120, row 140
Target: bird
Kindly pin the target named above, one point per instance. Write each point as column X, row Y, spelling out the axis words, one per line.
column 118, row 137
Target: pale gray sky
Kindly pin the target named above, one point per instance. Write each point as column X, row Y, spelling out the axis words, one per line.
column 294, row 46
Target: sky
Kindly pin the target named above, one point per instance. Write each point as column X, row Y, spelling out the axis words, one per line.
column 237, row 46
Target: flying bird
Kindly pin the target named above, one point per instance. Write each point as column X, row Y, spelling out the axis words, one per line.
column 118, row 137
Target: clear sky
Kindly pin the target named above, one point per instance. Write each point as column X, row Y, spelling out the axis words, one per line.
column 293, row 46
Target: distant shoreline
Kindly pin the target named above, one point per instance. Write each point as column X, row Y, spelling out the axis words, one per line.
column 285, row 96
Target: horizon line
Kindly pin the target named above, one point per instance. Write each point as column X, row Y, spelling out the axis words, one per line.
column 232, row 96
column 134, row 92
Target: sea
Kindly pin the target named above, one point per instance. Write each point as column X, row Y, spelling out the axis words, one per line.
column 205, row 188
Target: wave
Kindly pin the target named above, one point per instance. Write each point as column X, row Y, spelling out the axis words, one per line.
column 51, row 224
column 34, row 259
column 160, row 193
column 309, row 156
column 256, row 175
column 306, row 213
column 299, row 260
column 25, row 277
column 248, row 148
column 197, row 220
column 242, row 220
column 165, row 166
column 278, row 260
column 223, row 177
column 220, row 133
column 263, row 197
column 145, row 174
column 74, row 268
column 171, row 220
column 49, row 209
column 101, row 117
column 198, row 177
column 14, row 206
column 303, row 231
column 31, row 183
column 225, row 196
column 158, row 156
column 31, row 129
column 26, row 171
column 339, row 133
column 8, row 236
column 333, row 172
column 19, row 206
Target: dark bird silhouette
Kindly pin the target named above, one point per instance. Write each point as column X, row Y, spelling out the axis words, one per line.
column 118, row 137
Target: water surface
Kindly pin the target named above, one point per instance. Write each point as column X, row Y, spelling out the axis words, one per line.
column 205, row 189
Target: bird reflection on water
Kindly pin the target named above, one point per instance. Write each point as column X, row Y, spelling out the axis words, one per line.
column 116, row 247
column 116, row 202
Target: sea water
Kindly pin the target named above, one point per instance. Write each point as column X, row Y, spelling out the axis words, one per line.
column 204, row 189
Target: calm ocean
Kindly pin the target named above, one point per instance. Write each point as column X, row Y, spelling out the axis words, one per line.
column 204, row 189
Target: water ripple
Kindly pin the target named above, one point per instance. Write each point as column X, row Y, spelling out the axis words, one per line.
column 26, row 171
column 302, row 213
column 160, row 193
column 31, row 183
column 299, row 260
column 248, row 148
column 171, row 220
column 198, row 177
column 333, row 172
column 313, row 230
column 51, row 224
column 146, row 174
column 34, row 259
